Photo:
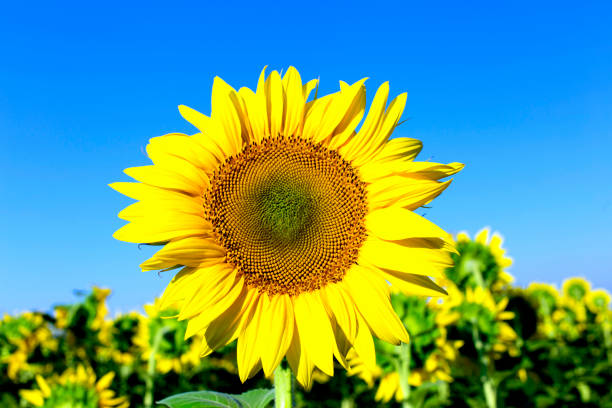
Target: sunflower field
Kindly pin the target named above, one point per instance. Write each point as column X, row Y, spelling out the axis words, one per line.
column 489, row 343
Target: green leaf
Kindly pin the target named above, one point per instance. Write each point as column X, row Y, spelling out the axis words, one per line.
column 259, row 398
column 202, row 399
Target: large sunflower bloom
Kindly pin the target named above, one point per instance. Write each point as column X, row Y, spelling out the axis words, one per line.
column 289, row 222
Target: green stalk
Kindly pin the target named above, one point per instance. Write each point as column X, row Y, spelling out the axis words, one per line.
column 348, row 402
column 150, row 377
column 607, row 338
column 404, row 373
column 283, row 387
column 488, row 387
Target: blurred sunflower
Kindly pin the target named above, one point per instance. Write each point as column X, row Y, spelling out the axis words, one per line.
column 480, row 262
column 478, row 308
column 20, row 336
column 166, row 338
column 289, row 222
column 546, row 300
column 429, row 351
column 75, row 389
column 82, row 324
column 598, row 301
column 576, row 289
column 119, row 337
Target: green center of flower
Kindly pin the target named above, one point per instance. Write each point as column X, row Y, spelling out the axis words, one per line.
column 285, row 210
column 577, row 292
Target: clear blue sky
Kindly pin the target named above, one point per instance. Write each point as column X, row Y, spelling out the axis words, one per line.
column 521, row 93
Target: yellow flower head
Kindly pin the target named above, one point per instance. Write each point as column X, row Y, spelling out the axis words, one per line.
column 480, row 262
column 289, row 221
column 576, row 289
column 174, row 352
column 598, row 301
column 20, row 337
column 430, row 351
column 75, row 388
column 479, row 307
column 119, row 337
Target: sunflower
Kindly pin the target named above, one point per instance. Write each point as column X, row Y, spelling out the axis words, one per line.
column 480, row 262
column 546, row 300
column 75, row 388
column 576, row 289
column 598, row 301
column 288, row 222
column 478, row 307
column 119, row 337
column 20, row 338
column 430, row 352
column 166, row 338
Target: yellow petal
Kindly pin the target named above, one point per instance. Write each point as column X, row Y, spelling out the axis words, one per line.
column 315, row 330
column 346, row 128
column 373, row 170
column 250, row 342
column 376, row 141
column 364, row 344
column 140, row 191
column 276, row 332
column 371, row 294
column 341, row 307
column 225, row 111
column 300, row 361
column 402, row 258
column 338, row 108
column 186, row 179
column 224, row 298
column 156, row 211
column 482, row 236
column 396, row 223
column 227, row 327
column 44, row 387
column 105, row 381
column 257, row 113
column 294, row 105
column 309, row 87
column 183, row 147
column 399, row 148
column 181, row 287
column 213, row 135
column 315, row 111
column 190, row 251
column 217, row 282
column 276, row 108
column 34, row 397
column 404, row 192
column 146, row 233
column 410, row 284
column 370, row 124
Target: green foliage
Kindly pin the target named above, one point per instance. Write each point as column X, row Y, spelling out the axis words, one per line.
column 260, row 398
column 488, row 344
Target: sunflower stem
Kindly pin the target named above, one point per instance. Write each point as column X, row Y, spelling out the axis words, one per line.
column 607, row 337
column 488, row 387
column 404, row 374
column 283, row 387
column 150, row 377
column 348, row 402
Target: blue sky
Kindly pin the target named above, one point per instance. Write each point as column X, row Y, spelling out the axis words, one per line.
column 521, row 93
